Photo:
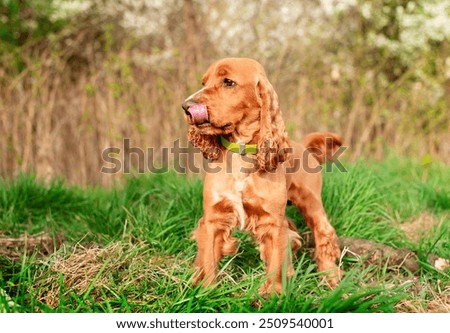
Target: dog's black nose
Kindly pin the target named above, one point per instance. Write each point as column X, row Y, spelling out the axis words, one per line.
column 187, row 104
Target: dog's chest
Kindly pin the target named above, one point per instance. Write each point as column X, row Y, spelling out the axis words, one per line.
column 246, row 193
column 234, row 196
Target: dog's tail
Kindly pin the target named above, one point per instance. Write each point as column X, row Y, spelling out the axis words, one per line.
column 322, row 145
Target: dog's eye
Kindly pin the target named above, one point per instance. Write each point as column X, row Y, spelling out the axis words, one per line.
column 228, row 83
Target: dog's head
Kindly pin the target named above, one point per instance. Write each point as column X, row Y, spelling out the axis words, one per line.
column 237, row 101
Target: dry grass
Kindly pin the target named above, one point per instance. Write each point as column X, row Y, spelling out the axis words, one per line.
column 41, row 244
column 437, row 302
column 417, row 227
column 97, row 271
column 126, row 270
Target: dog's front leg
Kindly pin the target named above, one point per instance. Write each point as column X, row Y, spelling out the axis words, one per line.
column 214, row 240
column 274, row 236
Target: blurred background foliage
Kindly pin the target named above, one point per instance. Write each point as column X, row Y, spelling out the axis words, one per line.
column 78, row 76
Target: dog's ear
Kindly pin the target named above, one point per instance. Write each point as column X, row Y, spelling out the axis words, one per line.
column 208, row 144
column 273, row 141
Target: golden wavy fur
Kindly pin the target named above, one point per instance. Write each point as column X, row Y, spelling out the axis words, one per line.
column 250, row 191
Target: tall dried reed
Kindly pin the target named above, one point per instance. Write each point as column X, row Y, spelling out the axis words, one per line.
column 76, row 98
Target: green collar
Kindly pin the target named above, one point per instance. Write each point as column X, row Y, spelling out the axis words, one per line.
column 238, row 148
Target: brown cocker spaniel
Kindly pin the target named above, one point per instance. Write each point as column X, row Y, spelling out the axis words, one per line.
column 254, row 169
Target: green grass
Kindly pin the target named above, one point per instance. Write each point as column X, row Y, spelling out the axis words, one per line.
column 128, row 249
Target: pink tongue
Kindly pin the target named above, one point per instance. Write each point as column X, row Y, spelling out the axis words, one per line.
column 199, row 113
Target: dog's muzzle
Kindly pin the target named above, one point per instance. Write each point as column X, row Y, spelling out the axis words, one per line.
column 197, row 111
